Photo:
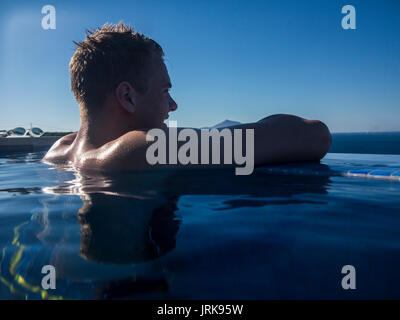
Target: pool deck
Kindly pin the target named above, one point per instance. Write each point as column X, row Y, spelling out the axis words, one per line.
column 28, row 144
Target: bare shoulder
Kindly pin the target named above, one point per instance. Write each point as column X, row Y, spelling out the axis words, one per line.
column 58, row 149
column 66, row 140
column 128, row 152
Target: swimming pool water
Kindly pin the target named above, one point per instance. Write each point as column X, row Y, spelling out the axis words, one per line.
column 283, row 232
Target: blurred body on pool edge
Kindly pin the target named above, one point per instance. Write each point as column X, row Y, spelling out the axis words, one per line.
column 121, row 84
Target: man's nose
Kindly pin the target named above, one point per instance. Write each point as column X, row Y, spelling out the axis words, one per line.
column 172, row 105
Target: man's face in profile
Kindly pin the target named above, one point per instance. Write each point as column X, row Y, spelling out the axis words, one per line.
column 154, row 105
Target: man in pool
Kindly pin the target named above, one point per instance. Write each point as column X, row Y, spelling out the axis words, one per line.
column 122, row 86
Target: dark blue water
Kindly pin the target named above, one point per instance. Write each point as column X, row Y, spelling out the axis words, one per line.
column 198, row 234
column 366, row 142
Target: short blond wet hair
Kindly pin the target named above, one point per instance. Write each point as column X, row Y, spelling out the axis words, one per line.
column 109, row 55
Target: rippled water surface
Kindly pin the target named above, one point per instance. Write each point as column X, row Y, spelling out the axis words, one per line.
column 199, row 234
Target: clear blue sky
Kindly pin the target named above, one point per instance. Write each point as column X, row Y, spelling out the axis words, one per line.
column 238, row 60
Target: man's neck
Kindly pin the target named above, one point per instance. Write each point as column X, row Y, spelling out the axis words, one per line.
column 97, row 132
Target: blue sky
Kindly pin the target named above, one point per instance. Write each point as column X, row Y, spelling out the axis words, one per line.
column 238, row 60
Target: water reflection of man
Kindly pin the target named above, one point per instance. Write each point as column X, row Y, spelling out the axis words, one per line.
column 125, row 230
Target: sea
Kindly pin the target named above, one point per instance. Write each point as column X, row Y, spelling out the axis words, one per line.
column 366, row 143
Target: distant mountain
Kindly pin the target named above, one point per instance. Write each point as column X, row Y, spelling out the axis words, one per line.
column 225, row 123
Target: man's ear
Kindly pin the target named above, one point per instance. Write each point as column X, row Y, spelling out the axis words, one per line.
column 126, row 96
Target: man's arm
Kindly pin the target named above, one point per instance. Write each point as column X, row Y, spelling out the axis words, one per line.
column 287, row 138
column 277, row 139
